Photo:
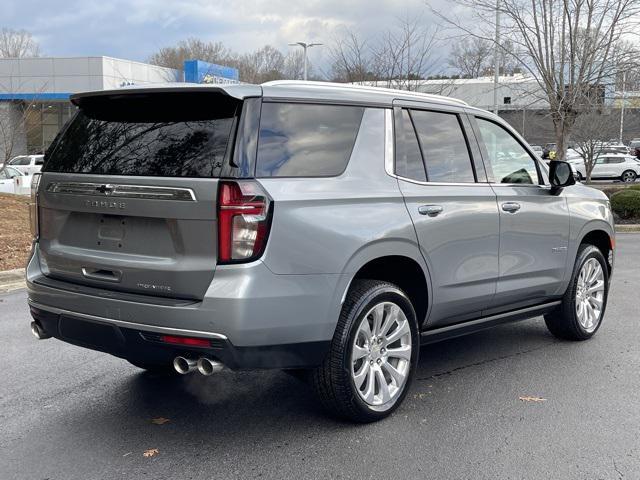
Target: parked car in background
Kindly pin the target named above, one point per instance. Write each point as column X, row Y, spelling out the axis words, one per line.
column 614, row 166
column 538, row 150
column 8, row 177
column 27, row 164
column 634, row 147
column 548, row 148
column 324, row 229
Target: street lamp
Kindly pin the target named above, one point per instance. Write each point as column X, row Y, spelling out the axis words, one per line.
column 305, row 46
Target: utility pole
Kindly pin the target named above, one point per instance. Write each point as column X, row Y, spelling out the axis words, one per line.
column 496, row 60
column 624, row 102
column 305, row 46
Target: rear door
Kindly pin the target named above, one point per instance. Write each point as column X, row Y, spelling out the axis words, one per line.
column 452, row 207
column 128, row 193
column 534, row 222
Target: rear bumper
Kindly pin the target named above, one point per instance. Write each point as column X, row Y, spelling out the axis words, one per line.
column 254, row 318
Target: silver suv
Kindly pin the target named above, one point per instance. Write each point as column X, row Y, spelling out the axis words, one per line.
column 327, row 230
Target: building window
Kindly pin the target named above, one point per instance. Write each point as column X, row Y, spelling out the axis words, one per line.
column 506, row 100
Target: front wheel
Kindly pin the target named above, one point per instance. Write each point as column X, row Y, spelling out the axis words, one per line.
column 373, row 354
column 628, row 176
column 580, row 314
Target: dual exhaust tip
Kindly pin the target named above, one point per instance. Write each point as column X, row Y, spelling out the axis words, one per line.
column 204, row 365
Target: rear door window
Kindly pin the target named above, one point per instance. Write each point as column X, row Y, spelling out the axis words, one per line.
column 409, row 163
column 169, row 135
column 303, row 140
column 444, row 147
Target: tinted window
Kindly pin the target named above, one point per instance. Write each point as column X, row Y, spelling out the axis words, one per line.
column 508, row 160
column 39, row 160
column 408, row 157
column 173, row 135
column 299, row 140
column 444, row 147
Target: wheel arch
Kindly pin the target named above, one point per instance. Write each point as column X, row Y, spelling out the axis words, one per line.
column 397, row 262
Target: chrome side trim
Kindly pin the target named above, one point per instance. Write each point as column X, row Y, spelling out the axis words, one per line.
column 122, row 191
column 388, row 142
column 132, row 325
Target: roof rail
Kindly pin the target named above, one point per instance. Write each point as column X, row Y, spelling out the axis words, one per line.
column 366, row 88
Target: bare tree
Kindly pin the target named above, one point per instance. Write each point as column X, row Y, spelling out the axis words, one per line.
column 405, row 55
column 471, row 57
column 263, row 65
column 17, row 44
column 399, row 58
column 17, row 119
column 191, row 49
column 294, row 65
column 351, row 58
column 591, row 131
column 570, row 47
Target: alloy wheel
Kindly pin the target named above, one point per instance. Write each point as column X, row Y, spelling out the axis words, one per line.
column 590, row 295
column 381, row 355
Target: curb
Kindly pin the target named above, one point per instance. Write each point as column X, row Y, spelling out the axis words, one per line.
column 631, row 228
column 12, row 280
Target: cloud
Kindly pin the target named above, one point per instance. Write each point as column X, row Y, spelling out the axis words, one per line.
column 134, row 29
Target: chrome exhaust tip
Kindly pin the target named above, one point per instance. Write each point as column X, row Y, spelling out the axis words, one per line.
column 38, row 331
column 207, row 367
column 184, row 365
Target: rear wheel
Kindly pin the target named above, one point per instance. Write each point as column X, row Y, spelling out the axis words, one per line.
column 373, row 354
column 583, row 305
column 628, row 176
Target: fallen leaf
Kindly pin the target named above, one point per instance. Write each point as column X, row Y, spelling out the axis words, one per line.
column 532, row 399
column 127, row 454
column 150, row 453
column 159, row 421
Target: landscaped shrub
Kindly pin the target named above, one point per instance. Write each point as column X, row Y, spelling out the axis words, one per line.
column 626, row 204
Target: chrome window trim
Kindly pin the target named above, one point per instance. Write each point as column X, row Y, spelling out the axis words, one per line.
column 123, row 191
column 131, row 325
column 389, row 147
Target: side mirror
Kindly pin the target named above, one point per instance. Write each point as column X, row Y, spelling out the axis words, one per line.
column 560, row 175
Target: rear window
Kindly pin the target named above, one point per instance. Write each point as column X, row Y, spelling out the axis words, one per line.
column 169, row 135
column 301, row 140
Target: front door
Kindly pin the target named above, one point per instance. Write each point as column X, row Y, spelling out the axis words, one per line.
column 455, row 215
column 534, row 222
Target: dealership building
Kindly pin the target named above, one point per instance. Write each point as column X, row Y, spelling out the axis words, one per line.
column 34, row 92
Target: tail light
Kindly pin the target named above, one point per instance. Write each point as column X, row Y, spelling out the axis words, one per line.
column 33, row 207
column 243, row 221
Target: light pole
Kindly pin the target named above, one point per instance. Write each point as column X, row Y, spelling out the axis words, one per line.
column 305, row 46
column 496, row 60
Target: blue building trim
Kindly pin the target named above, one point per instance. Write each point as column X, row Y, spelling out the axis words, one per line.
column 196, row 70
column 37, row 97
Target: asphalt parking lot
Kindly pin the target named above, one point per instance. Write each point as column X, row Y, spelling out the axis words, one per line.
column 69, row 413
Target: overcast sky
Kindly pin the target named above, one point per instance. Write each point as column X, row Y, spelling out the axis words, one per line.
column 133, row 29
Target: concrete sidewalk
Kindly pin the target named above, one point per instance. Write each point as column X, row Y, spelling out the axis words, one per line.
column 12, row 280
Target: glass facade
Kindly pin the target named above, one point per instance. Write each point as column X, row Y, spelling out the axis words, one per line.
column 43, row 123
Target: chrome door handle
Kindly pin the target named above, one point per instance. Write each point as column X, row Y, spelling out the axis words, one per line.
column 511, row 207
column 430, row 210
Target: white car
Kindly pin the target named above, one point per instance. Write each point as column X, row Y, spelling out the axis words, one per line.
column 27, row 164
column 8, row 178
column 612, row 166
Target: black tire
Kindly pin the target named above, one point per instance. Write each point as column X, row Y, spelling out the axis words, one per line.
column 154, row 368
column 628, row 176
column 333, row 380
column 563, row 322
column 580, row 177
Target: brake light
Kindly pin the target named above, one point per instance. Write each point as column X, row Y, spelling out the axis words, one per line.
column 187, row 341
column 33, row 207
column 243, row 221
